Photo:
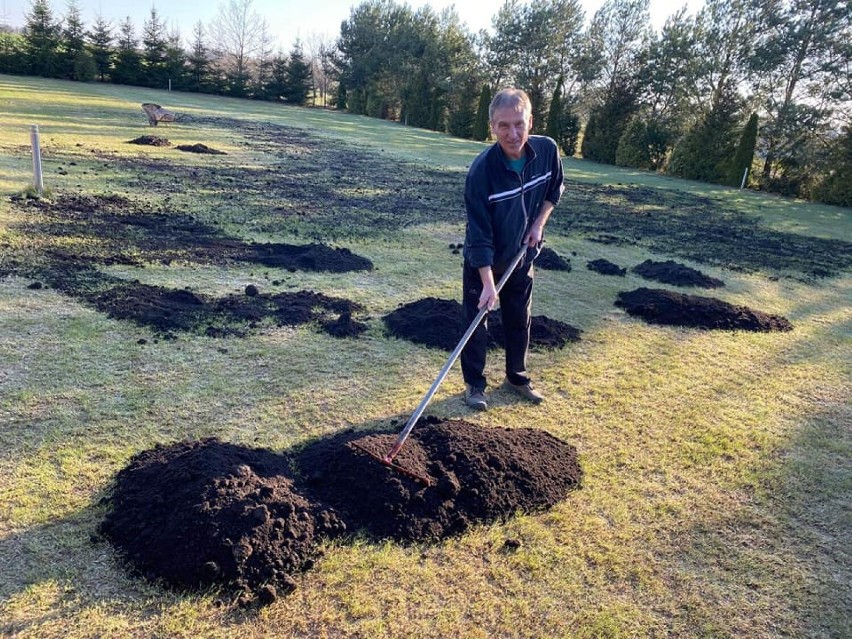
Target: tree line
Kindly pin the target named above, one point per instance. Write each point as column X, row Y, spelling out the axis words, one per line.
column 743, row 91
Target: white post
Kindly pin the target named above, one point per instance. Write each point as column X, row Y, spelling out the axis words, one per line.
column 170, row 85
column 38, row 180
column 745, row 175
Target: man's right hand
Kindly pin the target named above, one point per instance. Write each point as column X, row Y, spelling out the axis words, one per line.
column 488, row 297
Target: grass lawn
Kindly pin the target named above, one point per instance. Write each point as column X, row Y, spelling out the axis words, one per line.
column 716, row 495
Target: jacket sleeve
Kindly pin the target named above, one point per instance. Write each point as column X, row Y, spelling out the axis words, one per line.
column 557, row 185
column 479, row 234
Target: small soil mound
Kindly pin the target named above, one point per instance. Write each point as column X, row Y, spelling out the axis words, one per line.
column 199, row 148
column 658, row 306
column 208, row 513
column 670, row 272
column 437, row 323
column 605, row 267
column 481, row 475
column 551, row 260
column 307, row 257
column 150, row 140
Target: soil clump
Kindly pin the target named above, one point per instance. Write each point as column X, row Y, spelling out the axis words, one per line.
column 150, row 140
column 199, row 148
column 550, row 260
column 209, row 513
column 659, row 306
column 437, row 323
column 605, row 267
column 670, row 272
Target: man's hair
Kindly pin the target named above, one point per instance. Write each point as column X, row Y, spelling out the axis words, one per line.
column 512, row 98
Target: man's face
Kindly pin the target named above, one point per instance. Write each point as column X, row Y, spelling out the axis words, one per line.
column 511, row 127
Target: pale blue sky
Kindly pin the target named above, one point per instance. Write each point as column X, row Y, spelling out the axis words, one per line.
column 287, row 19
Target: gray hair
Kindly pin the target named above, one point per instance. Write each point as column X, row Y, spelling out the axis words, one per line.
column 512, row 98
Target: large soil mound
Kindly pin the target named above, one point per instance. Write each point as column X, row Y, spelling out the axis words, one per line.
column 195, row 514
column 550, row 260
column 437, row 323
column 658, row 306
column 670, row 272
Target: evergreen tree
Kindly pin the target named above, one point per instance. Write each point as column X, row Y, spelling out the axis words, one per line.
column 481, row 125
column 11, row 52
column 73, row 46
column 42, row 37
column 463, row 114
column 128, row 61
column 154, row 51
column 555, row 111
column 198, row 62
column 704, row 153
column 85, row 69
column 277, row 85
column 836, row 188
column 610, row 118
column 633, row 149
column 562, row 125
column 175, row 63
column 744, row 155
column 100, row 44
column 298, row 77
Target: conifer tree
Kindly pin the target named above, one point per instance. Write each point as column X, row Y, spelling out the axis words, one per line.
column 480, row 124
column 298, row 77
column 128, row 61
column 42, row 37
column 745, row 153
column 100, row 44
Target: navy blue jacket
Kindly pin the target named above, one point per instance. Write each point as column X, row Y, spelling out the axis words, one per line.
column 501, row 204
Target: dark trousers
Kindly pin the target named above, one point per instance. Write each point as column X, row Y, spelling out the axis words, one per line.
column 515, row 309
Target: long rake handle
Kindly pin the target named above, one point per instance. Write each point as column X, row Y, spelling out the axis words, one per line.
column 403, row 435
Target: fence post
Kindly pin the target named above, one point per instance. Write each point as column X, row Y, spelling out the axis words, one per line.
column 38, row 180
column 745, row 175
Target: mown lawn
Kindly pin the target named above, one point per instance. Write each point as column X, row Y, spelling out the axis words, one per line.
column 715, row 500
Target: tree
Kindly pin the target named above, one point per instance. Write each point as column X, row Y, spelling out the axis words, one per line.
column 297, row 77
column 100, row 44
column 198, row 62
column 75, row 58
column 608, row 121
column 633, row 148
column 154, row 45
column 801, row 48
column 481, row 127
column 563, row 125
column 836, row 188
column 175, row 62
column 12, row 47
column 705, row 152
column 128, row 62
column 42, row 38
column 744, row 154
column 237, row 30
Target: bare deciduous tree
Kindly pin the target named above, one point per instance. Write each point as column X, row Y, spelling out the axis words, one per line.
column 238, row 33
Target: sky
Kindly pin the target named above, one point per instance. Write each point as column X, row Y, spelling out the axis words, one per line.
column 287, row 19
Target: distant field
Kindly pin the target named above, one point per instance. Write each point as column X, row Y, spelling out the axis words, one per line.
column 163, row 296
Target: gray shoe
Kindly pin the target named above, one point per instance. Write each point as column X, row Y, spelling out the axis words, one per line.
column 526, row 391
column 475, row 398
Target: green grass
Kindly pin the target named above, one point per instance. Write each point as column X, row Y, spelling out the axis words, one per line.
column 717, row 474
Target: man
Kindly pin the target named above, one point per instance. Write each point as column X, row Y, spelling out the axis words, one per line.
column 510, row 192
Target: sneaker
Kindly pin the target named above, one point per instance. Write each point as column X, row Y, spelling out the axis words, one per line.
column 526, row 391
column 475, row 398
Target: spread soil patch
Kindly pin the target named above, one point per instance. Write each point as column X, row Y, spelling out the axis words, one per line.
column 150, row 140
column 209, row 513
column 173, row 310
column 658, row 306
column 199, row 148
column 551, row 260
column 670, row 272
column 605, row 267
column 437, row 323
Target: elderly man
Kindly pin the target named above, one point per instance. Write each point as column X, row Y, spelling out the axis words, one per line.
column 510, row 192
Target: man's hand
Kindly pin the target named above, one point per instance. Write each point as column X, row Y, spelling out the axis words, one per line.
column 534, row 236
column 488, row 297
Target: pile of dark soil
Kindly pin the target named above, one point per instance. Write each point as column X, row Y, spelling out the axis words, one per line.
column 551, row 260
column 437, row 323
column 605, row 267
column 150, row 140
column 670, row 272
column 199, row 148
column 174, row 310
column 658, row 306
column 306, row 257
column 208, row 513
